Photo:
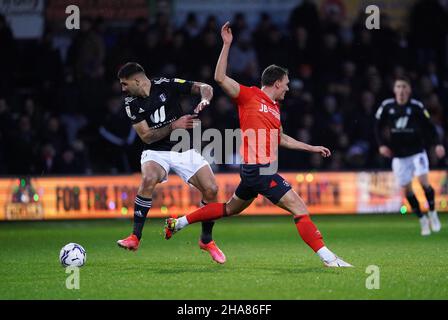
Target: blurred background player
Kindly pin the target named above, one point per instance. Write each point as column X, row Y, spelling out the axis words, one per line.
column 259, row 111
column 155, row 111
column 403, row 129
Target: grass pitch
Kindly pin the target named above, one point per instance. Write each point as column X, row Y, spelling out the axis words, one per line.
column 266, row 259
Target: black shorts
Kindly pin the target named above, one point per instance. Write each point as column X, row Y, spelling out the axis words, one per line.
column 273, row 187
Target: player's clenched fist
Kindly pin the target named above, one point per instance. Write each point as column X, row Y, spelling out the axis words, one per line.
column 185, row 122
column 201, row 106
column 385, row 151
column 324, row 152
column 440, row 151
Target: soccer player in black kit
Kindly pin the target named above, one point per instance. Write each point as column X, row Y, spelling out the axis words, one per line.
column 403, row 130
column 154, row 108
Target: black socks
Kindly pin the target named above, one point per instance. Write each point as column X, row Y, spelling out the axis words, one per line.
column 207, row 228
column 429, row 193
column 141, row 209
column 412, row 199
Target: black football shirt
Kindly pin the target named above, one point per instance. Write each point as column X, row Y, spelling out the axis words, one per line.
column 408, row 127
column 160, row 108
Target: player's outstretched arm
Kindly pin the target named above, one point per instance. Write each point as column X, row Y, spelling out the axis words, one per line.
column 230, row 86
column 150, row 135
column 206, row 92
column 291, row 143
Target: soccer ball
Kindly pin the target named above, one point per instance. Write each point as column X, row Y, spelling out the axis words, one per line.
column 73, row 255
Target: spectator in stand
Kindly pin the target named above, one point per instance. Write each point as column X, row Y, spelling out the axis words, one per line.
column 299, row 50
column 46, row 162
column 276, row 49
column 3, row 165
column 260, row 35
column 208, row 42
column 239, row 25
column 118, row 135
column 88, row 50
column 243, row 59
column 22, row 148
column 306, row 15
column 69, row 105
column 54, row 134
column 191, row 26
column 71, row 162
column 8, row 57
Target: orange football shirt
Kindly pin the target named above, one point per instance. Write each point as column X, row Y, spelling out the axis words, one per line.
column 260, row 125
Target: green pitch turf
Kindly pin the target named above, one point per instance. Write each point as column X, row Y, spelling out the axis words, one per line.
column 266, row 260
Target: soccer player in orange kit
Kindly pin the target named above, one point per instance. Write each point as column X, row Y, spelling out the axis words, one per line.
column 259, row 112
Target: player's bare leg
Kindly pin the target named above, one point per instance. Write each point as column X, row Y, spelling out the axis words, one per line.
column 236, row 205
column 152, row 174
column 434, row 221
column 415, row 206
column 204, row 180
column 292, row 202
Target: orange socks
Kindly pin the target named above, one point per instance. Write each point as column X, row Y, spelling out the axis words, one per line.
column 309, row 232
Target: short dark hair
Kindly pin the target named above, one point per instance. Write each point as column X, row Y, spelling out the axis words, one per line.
column 129, row 69
column 272, row 74
column 403, row 78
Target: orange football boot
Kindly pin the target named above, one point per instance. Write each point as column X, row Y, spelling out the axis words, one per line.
column 130, row 243
column 216, row 254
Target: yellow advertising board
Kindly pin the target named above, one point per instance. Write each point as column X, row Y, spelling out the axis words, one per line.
column 113, row 196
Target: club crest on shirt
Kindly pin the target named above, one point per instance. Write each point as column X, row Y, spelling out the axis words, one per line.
column 408, row 111
column 128, row 100
column 162, row 97
column 391, row 111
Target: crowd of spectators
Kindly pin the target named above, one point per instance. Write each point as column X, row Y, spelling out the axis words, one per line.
column 60, row 103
